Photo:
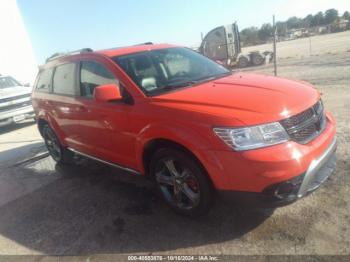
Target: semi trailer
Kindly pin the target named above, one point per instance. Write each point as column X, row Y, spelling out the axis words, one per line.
column 223, row 45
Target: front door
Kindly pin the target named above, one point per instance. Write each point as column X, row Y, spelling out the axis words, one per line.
column 104, row 126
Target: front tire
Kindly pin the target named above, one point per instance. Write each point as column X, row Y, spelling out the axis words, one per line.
column 59, row 153
column 182, row 182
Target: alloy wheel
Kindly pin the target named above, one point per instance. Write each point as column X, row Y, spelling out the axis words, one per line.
column 177, row 183
column 52, row 144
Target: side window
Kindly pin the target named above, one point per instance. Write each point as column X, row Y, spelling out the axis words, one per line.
column 44, row 80
column 64, row 79
column 93, row 74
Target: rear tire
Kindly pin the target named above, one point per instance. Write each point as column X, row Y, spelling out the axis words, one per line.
column 243, row 62
column 257, row 59
column 59, row 153
column 182, row 182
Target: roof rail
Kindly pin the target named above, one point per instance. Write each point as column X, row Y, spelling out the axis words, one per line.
column 146, row 43
column 58, row 55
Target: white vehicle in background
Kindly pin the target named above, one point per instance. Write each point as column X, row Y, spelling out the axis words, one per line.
column 15, row 101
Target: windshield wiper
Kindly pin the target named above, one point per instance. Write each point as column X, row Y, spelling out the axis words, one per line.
column 193, row 82
column 214, row 77
column 181, row 84
column 173, row 86
column 188, row 83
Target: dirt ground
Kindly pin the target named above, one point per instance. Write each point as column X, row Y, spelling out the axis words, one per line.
column 304, row 47
column 92, row 209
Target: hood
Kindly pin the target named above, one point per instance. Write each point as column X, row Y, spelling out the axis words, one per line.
column 14, row 91
column 249, row 98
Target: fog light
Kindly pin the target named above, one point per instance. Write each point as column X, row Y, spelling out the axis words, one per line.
column 285, row 189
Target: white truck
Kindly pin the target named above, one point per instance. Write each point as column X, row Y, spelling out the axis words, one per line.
column 15, row 101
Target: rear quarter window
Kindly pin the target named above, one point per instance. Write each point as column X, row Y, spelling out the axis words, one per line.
column 64, row 79
column 44, row 80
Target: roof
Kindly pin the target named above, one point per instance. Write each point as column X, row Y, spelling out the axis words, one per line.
column 107, row 52
column 132, row 49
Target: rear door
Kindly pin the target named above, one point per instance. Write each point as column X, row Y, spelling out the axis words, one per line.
column 40, row 96
column 64, row 108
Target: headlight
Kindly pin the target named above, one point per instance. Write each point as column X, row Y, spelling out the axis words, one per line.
column 253, row 137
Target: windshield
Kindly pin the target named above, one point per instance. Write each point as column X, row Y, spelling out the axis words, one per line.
column 162, row 70
column 6, row 82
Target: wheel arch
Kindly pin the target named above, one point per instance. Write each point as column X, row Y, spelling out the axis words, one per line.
column 43, row 120
column 41, row 123
column 156, row 135
column 155, row 144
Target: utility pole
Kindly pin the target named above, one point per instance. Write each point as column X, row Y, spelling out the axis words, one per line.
column 274, row 45
column 310, row 52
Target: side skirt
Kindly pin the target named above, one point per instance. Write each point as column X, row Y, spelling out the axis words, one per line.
column 105, row 162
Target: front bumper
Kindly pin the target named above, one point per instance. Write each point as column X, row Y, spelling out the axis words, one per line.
column 319, row 170
column 288, row 191
column 8, row 117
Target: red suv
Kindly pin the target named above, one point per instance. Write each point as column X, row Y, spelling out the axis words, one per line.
column 186, row 122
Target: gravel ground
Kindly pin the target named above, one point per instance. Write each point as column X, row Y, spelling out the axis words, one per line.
column 92, row 209
column 304, row 47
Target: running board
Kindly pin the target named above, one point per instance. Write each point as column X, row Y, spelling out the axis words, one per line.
column 106, row 162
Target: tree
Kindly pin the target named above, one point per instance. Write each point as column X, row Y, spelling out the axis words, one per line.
column 307, row 21
column 281, row 28
column 253, row 35
column 346, row 15
column 318, row 19
column 294, row 22
column 265, row 32
column 249, row 36
column 330, row 16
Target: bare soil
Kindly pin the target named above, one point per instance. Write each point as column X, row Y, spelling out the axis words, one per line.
column 316, row 45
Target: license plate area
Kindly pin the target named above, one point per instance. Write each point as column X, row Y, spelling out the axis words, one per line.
column 18, row 118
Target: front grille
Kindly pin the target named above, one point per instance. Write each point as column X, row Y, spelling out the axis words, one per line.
column 15, row 106
column 306, row 125
column 14, row 98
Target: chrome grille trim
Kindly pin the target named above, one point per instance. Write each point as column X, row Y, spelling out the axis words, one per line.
column 15, row 106
column 307, row 125
column 9, row 99
column 309, row 183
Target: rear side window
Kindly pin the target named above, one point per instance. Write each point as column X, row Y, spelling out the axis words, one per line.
column 94, row 74
column 44, row 80
column 64, row 79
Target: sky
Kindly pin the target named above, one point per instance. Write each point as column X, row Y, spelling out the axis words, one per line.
column 62, row 25
column 15, row 45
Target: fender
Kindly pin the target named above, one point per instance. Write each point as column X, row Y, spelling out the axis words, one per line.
column 182, row 135
column 44, row 115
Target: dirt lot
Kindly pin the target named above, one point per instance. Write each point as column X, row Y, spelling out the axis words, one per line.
column 92, row 209
column 299, row 48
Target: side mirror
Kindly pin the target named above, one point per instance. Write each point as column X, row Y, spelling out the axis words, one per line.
column 107, row 93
